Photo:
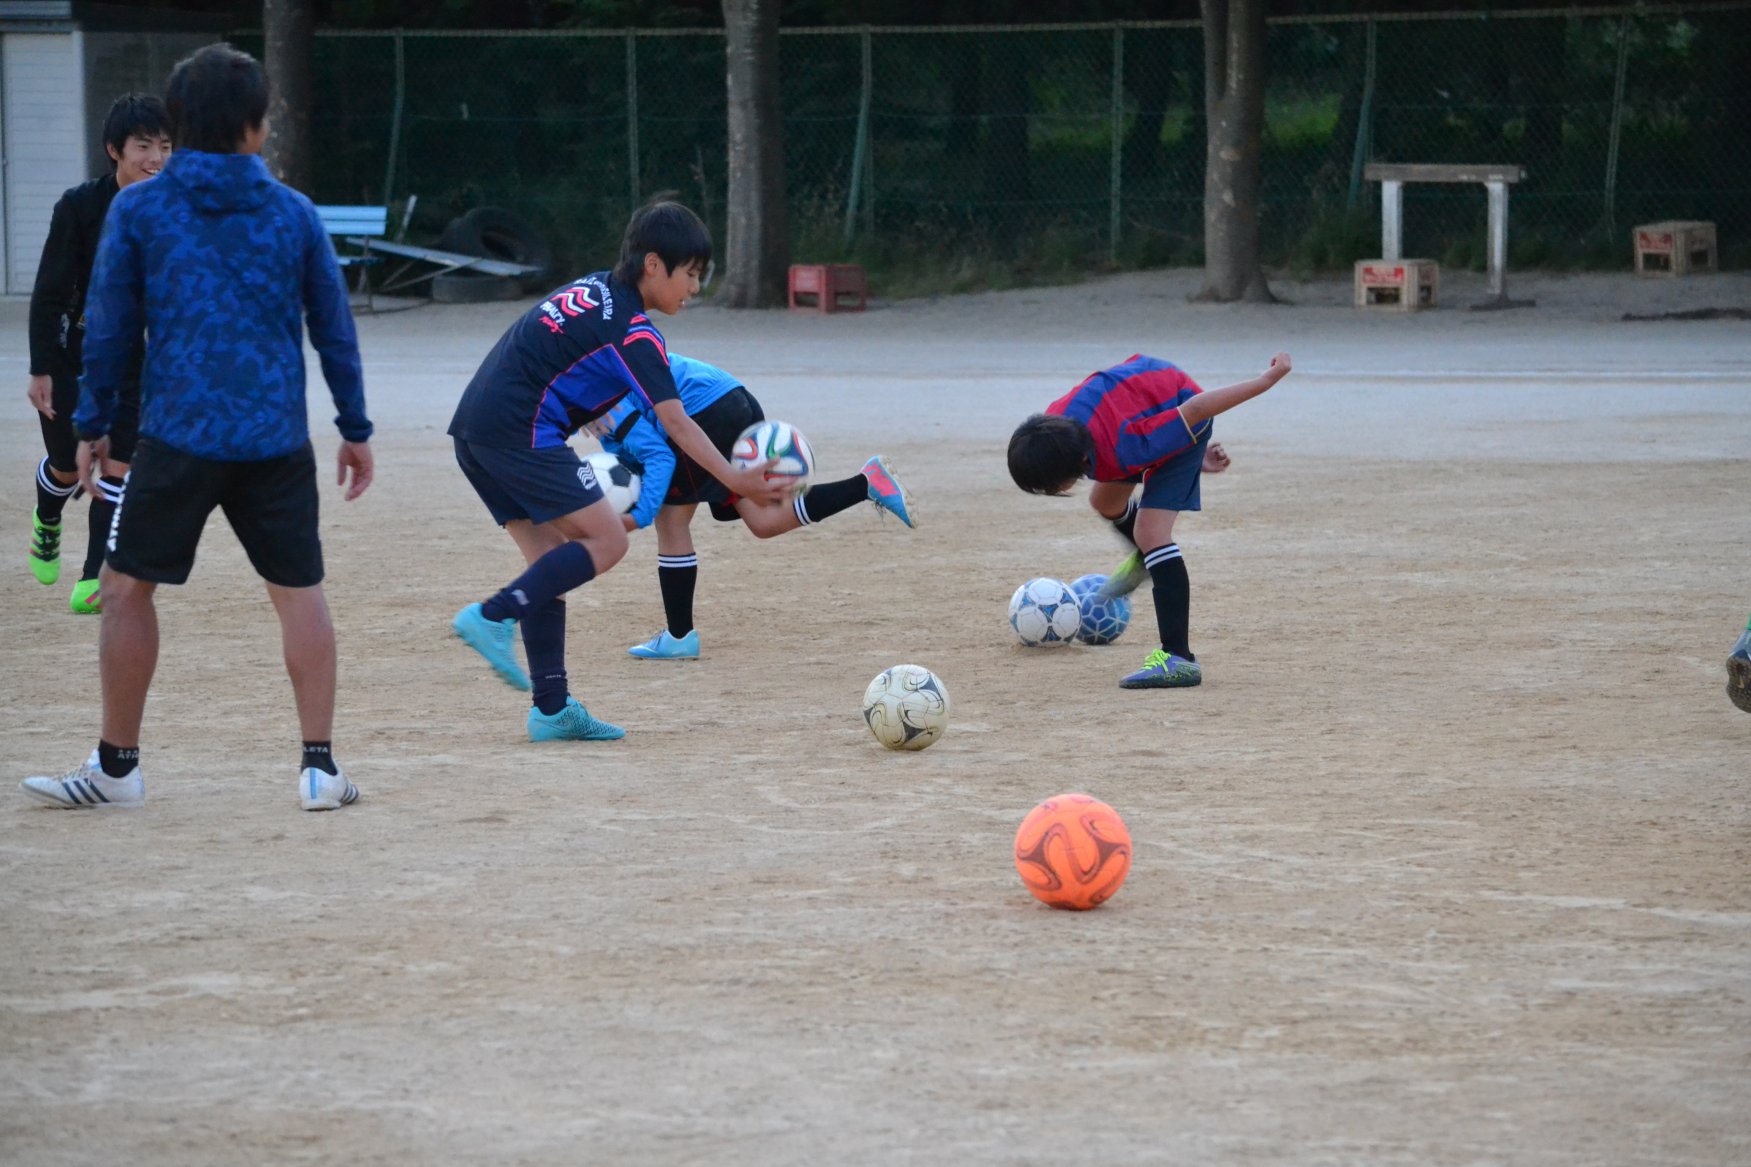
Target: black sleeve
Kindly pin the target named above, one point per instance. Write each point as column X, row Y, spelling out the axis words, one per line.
column 54, row 301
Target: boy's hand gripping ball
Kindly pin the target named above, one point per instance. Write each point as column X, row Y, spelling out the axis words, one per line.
column 781, row 443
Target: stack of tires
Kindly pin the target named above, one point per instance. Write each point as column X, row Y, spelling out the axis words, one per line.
column 494, row 234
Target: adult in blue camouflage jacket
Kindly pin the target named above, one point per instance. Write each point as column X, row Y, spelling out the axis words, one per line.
column 214, row 267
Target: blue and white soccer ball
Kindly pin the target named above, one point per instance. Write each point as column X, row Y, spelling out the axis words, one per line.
column 1044, row 612
column 1103, row 621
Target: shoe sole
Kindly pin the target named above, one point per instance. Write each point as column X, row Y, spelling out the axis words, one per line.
column 661, row 655
column 1163, row 683
column 1739, row 682
column 566, row 737
column 46, row 799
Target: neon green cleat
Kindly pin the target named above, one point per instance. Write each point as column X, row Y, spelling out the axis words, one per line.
column 86, row 600
column 1125, row 578
column 45, row 550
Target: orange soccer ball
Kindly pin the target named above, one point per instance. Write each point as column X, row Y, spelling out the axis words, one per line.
column 1073, row 851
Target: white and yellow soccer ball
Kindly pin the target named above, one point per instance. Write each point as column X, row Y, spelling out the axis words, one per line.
column 619, row 484
column 1045, row 612
column 906, row 707
column 767, row 440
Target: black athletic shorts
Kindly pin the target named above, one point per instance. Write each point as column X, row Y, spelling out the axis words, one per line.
column 62, row 444
column 537, row 485
column 168, row 495
column 723, row 422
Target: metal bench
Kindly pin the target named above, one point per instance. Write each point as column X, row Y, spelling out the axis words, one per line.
column 1495, row 179
column 364, row 228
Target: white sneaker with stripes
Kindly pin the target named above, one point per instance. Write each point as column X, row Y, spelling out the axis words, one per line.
column 320, row 790
column 87, row 785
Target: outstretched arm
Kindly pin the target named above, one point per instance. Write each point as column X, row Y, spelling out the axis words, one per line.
column 1208, row 404
column 685, row 432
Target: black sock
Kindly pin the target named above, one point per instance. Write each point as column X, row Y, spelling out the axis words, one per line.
column 559, row 571
column 117, row 761
column 544, row 648
column 829, row 498
column 320, row 756
column 676, row 577
column 103, row 509
column 51, row 496
column 1126, row 523
column 1173, row 598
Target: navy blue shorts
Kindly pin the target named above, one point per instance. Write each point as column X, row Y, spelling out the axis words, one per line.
column 537, row 485
column 1173, row 485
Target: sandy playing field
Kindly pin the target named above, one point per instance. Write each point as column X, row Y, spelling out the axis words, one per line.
column 1447, row 862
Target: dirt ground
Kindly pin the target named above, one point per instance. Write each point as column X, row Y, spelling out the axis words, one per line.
column 1447, row 862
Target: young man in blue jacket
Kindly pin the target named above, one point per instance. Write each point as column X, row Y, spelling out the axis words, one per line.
column 217, row 264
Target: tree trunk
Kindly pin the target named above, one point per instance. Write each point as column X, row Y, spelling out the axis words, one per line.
column 1234, row 99
column 757, row 251
column 290, row 31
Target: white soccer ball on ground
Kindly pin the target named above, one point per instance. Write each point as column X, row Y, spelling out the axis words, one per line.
column 618, row 482
column 906, row 707
column 766, row 440
column 1045, row 612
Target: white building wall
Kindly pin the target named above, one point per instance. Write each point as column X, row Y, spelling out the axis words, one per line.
column 43, row 91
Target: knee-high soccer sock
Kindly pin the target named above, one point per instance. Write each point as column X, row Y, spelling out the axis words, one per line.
column 544, row 646
column 676, row 576
column 51, row 494
column 829, row 498
column 1173, row 598
column 103, row 509
column 559, row 571
column 1126, row 524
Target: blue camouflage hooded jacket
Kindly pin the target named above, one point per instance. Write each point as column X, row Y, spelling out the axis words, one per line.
column 218, row 264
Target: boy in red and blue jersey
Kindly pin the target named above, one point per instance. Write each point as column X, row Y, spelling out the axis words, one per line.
column 561, row 365
column 1141, row 422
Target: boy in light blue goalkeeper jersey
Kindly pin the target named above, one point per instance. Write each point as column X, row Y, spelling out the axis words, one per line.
column 672, row 485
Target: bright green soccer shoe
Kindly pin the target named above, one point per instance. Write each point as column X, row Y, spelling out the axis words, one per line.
column 1163, row 670
column 86, row 599
column 45, row 550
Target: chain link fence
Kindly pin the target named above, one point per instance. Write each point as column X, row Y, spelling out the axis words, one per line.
column 978, row 156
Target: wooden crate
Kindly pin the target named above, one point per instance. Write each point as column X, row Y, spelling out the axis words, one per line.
column 1674, row 248
column 1401, row 285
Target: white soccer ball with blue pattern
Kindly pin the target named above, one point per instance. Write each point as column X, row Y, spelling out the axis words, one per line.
column 1103, row 621
column 619, row 484
column 906, row 707
column 765, row 441
column 1045, row 612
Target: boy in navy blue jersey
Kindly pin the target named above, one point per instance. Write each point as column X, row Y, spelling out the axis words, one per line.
column 672, row 485
column 1144, row 422
column 216, row 266
column 136, row 136
column 563, row 364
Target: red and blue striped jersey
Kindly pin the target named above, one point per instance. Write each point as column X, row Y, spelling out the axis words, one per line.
column 1132, row 412
column 566, row 361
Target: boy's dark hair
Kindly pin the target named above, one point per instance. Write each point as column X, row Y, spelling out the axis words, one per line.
column 215, row 97
column 1048, row 453
column 666, row 227
column 131, row 114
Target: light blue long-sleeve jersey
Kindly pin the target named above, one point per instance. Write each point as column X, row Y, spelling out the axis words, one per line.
column 639, row 439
